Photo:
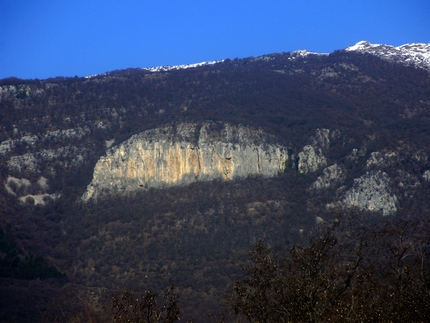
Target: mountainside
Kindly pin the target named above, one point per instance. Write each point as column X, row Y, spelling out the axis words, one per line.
column 141, row 178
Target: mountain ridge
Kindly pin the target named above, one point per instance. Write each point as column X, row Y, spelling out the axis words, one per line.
column 415, row 54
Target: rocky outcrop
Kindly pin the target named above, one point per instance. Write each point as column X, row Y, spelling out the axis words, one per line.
column 372, row 192
column 39, row 199
column 322, row 138
column 407, row 183
column 64, row 157
column 310, row 159
column 31, row 193
column 330, row 176
column 356, row 155
column 426, row 175
column 51, row 137
column 379, row 159
column 182, row 154
column 13, row 184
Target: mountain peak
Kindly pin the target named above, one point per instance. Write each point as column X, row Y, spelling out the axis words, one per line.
column 361, row 45
column 412, row 54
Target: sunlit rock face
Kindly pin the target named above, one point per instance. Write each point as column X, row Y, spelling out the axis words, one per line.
column 372, row 192
column 186, row 153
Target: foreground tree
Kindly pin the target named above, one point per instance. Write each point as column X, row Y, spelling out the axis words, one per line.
column 350, row 273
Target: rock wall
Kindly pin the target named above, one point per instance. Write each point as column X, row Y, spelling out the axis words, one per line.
column 182, row 154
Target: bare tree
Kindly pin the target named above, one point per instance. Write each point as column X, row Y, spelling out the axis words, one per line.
column 350, row 273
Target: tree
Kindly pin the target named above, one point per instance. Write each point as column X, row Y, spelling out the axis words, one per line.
column 350, row 273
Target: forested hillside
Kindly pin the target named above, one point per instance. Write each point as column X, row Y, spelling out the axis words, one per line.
column 355, row 131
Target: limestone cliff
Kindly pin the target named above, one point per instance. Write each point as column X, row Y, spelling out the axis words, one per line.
column 182, row 154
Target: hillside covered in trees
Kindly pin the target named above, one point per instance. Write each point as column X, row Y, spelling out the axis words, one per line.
column 355, row 131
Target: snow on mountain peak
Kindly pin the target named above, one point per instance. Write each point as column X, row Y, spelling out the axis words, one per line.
column 361, row 45
column 415, row 54
column 180, row 67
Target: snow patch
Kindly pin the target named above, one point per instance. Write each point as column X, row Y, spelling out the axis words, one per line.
column 167, row 68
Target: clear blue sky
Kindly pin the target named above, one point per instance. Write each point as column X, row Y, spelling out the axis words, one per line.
column 49, row 38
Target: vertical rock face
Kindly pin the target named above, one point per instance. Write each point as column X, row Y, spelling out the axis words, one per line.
column 182, row 154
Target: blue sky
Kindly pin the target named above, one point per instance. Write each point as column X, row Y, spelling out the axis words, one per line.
column 49, row 38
